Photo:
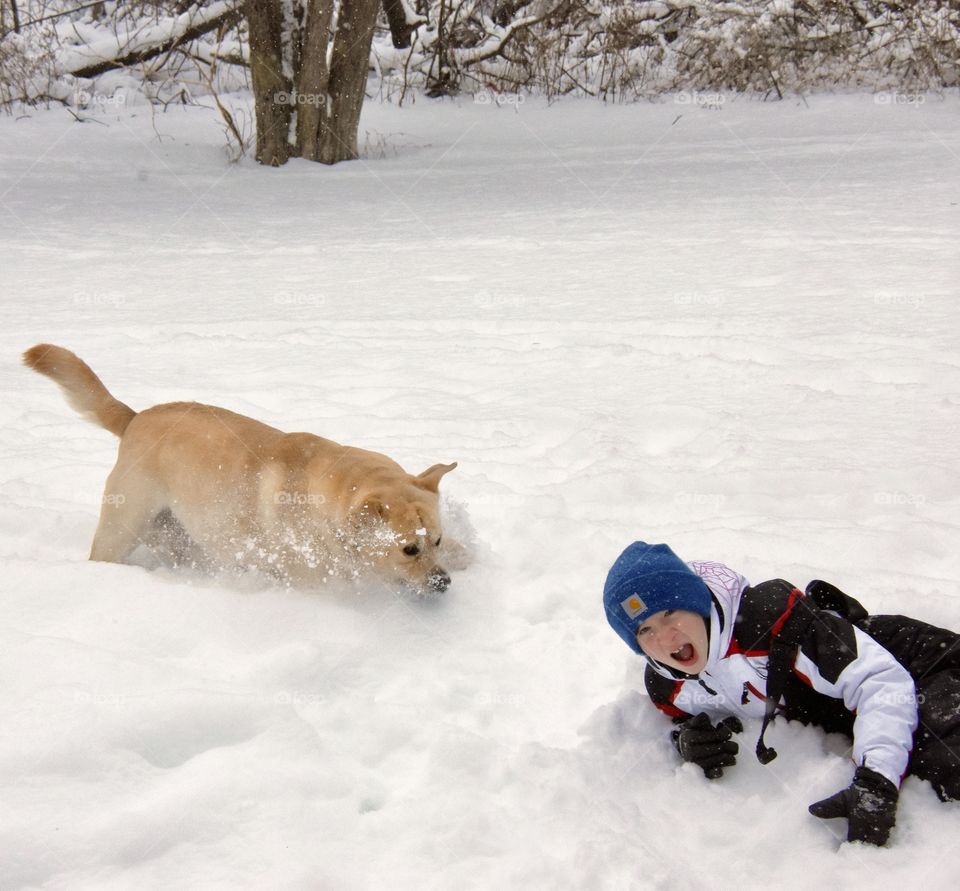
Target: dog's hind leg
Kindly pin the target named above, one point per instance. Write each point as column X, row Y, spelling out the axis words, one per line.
column 125, row 520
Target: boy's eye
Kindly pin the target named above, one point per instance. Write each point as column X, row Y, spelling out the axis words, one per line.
column 642, row 631
column 411, row 550
column 669, row 612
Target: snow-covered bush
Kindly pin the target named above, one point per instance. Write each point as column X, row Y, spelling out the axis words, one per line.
column 625, row 49
column 611, row 49
column 69, row 51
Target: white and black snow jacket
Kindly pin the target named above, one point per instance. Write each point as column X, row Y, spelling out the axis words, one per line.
column 842, row 679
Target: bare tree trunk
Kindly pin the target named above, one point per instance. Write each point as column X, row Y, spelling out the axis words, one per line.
column 272, row 91
column 313, row 80
column 400, row 28
column 349, row 66
column 290, row 71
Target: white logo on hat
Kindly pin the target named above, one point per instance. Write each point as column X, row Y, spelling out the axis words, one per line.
column 633, row 605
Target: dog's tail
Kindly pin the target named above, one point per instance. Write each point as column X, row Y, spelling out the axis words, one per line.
column 84, row 390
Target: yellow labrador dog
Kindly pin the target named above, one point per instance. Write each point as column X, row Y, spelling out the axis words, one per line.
column 248, row 495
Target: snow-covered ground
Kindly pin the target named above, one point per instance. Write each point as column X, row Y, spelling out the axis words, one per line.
column 727, row 325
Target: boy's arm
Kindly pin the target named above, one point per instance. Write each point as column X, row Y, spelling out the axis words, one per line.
column 696, row 738
column 840, row 660
column 662, row 692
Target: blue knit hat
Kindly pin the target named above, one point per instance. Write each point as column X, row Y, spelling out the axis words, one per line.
column 645, row 580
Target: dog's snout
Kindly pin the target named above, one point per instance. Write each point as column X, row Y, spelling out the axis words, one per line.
column 438, row 580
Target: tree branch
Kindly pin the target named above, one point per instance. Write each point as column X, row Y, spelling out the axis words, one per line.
column 162, row 39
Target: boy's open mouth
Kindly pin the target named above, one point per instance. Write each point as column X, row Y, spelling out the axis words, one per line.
column 685, row 655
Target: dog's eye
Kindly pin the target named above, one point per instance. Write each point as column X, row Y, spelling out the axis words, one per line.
column 411, row 550
column 437, row 542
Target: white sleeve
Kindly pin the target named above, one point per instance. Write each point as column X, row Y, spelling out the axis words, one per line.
column 873, row 685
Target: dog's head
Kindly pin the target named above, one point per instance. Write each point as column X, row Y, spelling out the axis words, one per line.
column 397, row 529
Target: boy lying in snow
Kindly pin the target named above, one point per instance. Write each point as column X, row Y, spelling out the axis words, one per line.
column 718, row 649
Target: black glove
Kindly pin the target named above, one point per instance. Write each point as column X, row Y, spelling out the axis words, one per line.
column 869, row 803
column 709, row 747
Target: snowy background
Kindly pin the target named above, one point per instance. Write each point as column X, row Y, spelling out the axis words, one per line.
column 727, row 325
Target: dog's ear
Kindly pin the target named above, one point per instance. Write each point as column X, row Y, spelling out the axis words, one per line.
column 430, row 478
column 373, row 507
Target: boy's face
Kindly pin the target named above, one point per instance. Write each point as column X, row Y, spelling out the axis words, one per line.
column 677, row 638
